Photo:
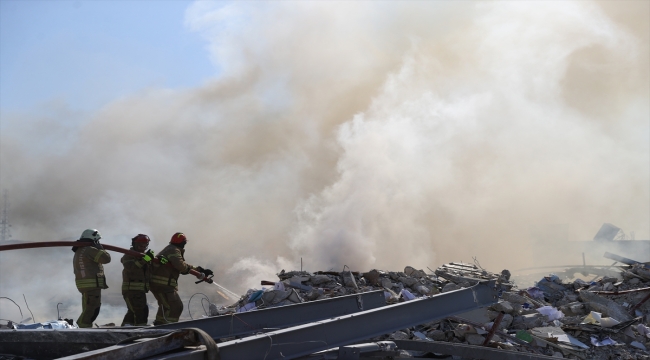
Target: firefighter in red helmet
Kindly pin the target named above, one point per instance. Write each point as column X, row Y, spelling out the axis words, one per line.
column 164, row 279
column 136, row 276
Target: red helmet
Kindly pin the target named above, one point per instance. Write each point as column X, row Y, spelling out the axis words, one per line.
column 178, row 238
column 141, row 238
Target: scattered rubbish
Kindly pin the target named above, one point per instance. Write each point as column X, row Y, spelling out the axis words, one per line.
column 643, row 330
column 53, row 324
column 421, row 336
column 568, row 339
column 638, row 345
column 556, row 316
column 605, row 342
column 587, row 318
column 407, row 294
column 535, row 292
column 596, row 318
column 256, row 296
column 550, row 312
column 247, row 307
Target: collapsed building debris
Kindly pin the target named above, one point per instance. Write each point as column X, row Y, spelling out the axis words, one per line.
column 308, row 338
column 458, row 310
column 251, row 322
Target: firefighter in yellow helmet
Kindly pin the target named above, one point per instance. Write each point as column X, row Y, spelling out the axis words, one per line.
column 135, row 282
column 89, row 276
column 164, row 280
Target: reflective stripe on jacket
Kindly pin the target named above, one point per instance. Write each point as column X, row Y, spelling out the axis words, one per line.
column 136, row 273
column 96, row 283
column 88, row 269
column 164, row 281
column 166, row 276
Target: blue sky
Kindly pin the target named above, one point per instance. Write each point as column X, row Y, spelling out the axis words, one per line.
column 84, row 54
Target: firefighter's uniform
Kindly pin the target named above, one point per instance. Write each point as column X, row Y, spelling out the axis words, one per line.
column 164, row 284
column 90, row 280
column 135, row 286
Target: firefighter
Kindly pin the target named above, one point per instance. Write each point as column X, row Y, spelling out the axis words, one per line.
column 135, row 282
column 89, row 276
column 164, row 279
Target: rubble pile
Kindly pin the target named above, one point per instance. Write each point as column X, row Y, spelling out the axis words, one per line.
column 607, row 318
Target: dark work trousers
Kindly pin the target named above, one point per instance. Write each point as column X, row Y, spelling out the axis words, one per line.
column 138, row 310
column 170, row 306
column 91, row 301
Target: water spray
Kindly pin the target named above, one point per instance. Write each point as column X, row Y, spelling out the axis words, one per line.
column 229, row 293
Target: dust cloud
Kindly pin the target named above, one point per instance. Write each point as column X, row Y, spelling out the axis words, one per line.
column 372, row 135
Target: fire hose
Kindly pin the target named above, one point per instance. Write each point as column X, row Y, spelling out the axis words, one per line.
column 199, row 275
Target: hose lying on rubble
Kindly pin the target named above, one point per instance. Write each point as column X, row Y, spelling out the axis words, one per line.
column 83, row 243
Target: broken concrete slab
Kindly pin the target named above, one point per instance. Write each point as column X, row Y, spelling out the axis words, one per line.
column 605, row 306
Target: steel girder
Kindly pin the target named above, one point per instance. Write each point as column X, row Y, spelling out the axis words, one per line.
column 145, row 348
column 467, row 351
column 49, row 343
column 321, row 335
column 624, row 260
column 282, row 316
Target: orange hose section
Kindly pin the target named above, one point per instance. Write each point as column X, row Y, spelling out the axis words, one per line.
column 81, row 244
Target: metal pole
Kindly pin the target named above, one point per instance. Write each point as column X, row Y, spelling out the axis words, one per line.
column 494, row 328
column 640, row 303
column 624, row 260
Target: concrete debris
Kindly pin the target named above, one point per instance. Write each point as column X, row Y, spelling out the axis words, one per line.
column 305, row 286
column 550, row 312
column 605, row 306
column 607, row 317
column 642, row 271
column 308, row 338
column 558, row 317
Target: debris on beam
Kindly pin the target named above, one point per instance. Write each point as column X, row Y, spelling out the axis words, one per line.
column 309, row 338
column 283, row 316
column 603, row 314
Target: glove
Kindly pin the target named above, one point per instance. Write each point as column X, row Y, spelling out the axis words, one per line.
column 206, row 272
column 97, row 245
column 163, row 259
column 148, row 256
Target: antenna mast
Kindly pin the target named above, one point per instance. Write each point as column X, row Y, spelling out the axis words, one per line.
column 5, row 232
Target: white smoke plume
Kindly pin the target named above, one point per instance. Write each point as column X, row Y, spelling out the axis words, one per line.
column 372, row 135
